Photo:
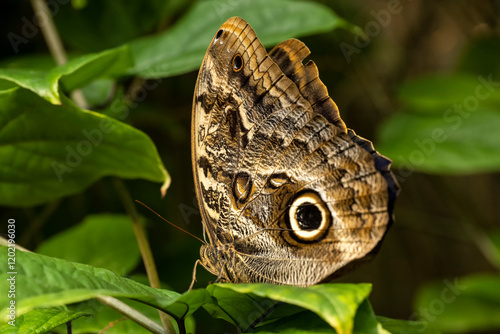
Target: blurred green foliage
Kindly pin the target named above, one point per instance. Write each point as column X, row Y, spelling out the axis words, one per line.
column 97, row 241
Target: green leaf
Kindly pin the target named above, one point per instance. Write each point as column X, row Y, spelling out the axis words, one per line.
column 366, row 322
column 111, row 235
column 395, row 326
column 435, row 94
column 81, row 71
column 42, row 281
column 102, row 316
column 49, row 151
column 76, row 73
column 461, row 305
column 448, row 125
column 45, row 282
column 334, row 303
column 181, row 49
column 305, row 322
column 38, row 61
column 33, row 80
column 244, row 309
column 41, row 320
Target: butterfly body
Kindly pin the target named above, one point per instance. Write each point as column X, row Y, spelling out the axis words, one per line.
column 287, row 193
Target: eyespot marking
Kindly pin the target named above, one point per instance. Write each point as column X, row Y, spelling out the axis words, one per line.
column 237, row 62
column 242, row 186
column 277, row 180
column 219, row 34
column 308, row 217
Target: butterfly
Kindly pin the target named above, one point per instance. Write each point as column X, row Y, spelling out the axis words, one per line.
column 287, row 193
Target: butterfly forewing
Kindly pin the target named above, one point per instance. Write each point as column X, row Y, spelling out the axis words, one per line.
column 288, row 195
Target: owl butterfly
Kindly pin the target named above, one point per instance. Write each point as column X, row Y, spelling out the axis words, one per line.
column 287, row 193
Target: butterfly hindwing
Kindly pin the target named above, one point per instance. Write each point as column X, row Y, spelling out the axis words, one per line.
column 287, row 194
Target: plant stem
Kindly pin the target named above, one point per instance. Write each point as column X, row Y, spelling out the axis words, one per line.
column 54, row 42
column 5, row 242
column 49, row 31
column 131, row 313
column 57, row 51
column 147, row 255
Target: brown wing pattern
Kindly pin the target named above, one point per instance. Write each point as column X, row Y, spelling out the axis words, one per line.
column 289, row 55
column 288, row 195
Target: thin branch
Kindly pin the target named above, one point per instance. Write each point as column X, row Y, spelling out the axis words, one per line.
column 147, row 255
column 57, row 51
column 54, row 43
column 5, row 242
column 49, row 31
column 114, row 303
column 484, row 244
column 112, row 324
column 131, row 313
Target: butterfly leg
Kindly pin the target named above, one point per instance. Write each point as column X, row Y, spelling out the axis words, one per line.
column 194, row 275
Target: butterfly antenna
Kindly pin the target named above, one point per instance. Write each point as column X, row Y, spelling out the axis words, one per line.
column 180, row 228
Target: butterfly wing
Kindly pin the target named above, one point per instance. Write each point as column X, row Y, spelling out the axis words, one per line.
column 287, row 194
